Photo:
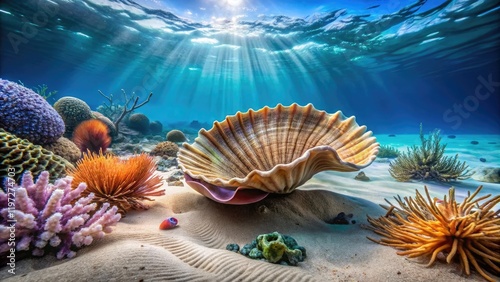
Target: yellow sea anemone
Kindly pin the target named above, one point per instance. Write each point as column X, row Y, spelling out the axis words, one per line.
column 469, row 232
column 124, row 183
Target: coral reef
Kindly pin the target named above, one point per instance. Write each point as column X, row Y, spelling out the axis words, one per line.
column 27, row 115
column 19, row 155
column 111, row 126
column 176, row 136
column 387, row 151
column 92, row 135
column 73, row 111
column 124, row 183
column 155, row 127
column 468, row 232
column 126, row 109
column 139, row 122
column 427, row 162
column 274, row 247
column 165, row 149
column 50, row 216
column 65, row 148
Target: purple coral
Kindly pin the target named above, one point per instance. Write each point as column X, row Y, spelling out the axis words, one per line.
column 27, row 115
column 38, row 215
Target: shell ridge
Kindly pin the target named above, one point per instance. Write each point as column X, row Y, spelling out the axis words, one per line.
column 352, row 139
column 265, row 122
column 247, row 143
column 260, row 145
column 294, row 119
column 359, row 144
column 322, row 114
column 237, row 147
column 331, row 120
column 228, row 150
column 287, row 138
column 191, row 156
column 260, row 118
column 215, row 156
column 334, row 133
column 277, row 114
column 345, row 126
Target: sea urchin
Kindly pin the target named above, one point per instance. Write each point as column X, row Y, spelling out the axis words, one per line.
column 467, row 231
column 124, row 183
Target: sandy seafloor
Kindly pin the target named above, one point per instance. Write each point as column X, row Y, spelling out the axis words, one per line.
column 195, row 251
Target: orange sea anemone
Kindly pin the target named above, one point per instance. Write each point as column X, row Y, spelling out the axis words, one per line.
column 92, row 135
column 124, row 183
column 468, row 232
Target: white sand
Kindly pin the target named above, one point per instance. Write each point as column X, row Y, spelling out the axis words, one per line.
column 195, row 250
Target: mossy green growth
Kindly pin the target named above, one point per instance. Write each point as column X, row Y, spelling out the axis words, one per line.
column 272, row 246
column 387, row 151
column 275, row 248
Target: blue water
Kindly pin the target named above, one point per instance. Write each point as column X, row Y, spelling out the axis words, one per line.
column 392, row 64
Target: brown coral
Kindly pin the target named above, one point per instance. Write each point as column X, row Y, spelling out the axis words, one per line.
column 73, row 111
column 65, row 148
column 124, row 183
column 139, row 122
column 19, row 155
column 165, row 149
column 176, row 136
column 468, row 232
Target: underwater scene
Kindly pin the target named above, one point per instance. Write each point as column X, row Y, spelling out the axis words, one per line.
column 249, row 140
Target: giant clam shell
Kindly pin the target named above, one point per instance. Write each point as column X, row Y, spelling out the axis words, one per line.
column 273, row 150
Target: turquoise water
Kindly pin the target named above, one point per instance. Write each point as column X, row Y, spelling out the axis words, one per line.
column 392, row 64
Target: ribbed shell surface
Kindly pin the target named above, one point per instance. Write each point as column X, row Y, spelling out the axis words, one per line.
column 277, row 149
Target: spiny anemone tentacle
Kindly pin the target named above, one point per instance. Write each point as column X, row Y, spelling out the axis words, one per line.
column 467, row 232
column 124, row 183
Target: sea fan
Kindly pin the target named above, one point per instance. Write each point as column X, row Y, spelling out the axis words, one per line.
column 468, row 232
column 41, row 216
column 124, row 183
column 92, row 135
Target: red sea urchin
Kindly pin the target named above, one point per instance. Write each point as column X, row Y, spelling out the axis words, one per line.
column 92, row 135
column 469, row 232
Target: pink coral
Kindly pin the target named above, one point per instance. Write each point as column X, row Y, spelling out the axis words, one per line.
column 41, row 215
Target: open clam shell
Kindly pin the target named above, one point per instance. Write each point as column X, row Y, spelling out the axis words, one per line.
column 275, row 150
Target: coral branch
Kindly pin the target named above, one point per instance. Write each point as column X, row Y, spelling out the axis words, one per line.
column 46, row 218
column 128, row 110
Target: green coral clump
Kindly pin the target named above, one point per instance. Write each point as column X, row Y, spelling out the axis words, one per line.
column 273, row 247
column 18, row 156
column 427, row 162
column 387, row 151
